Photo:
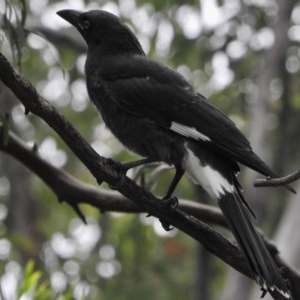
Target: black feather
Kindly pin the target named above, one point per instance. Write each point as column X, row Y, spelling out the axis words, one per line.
column 259, row 260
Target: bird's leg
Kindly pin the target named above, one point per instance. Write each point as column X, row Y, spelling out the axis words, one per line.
column 173, row 201
column 133, row 164
column 123, row 169
column 169, row 201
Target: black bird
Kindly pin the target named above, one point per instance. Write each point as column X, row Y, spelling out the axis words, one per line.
column 154, row 112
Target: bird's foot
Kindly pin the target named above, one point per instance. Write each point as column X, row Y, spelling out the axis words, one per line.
column 122, row 169
column 169, row 203
column 166, row 226
column 121, row 174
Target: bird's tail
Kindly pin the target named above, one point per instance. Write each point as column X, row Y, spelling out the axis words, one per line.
column 258, row 258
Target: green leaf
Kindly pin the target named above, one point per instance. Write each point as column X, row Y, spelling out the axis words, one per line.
column 31, row 278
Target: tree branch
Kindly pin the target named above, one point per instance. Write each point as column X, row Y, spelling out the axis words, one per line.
column 282, row 181
column 69, row 189
column 107, row 170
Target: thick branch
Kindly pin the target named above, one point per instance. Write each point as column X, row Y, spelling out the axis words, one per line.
column 107, row 170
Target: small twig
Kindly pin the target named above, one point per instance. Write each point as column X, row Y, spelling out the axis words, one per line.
column 282, row 181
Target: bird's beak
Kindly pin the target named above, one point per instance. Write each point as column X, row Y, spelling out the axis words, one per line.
column 71, row 16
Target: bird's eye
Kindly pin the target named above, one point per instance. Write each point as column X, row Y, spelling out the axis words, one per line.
column 86, row 24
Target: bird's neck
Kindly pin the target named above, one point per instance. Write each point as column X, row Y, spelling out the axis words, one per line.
column 115, row 47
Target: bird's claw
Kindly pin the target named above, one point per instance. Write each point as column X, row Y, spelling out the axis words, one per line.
column 118, row 183
column 166, row 226
column 171, row 202
column 121, row 171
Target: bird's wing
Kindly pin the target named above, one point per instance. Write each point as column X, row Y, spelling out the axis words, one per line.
column 149, row 89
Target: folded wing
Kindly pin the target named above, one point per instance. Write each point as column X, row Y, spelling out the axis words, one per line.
column 151, row 90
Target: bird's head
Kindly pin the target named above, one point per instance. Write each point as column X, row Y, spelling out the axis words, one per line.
column 102, row 29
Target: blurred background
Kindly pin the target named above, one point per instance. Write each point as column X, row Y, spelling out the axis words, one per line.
column 242, row 54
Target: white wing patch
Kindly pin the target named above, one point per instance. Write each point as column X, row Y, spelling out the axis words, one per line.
column 211, row 180
column 191, row 132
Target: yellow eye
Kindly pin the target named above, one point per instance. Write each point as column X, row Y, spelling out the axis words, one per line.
column 86, row 24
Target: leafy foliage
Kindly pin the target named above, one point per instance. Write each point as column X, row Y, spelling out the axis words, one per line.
column 33, row 288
